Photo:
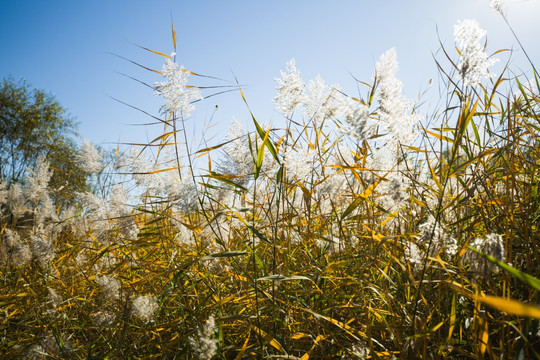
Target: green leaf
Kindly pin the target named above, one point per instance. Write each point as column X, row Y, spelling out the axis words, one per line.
column 279, row 175
column 260, row 155
column 250, row 143
column 259, row 234
column 268, row 144
column 523, row 277
column 261, row 132
column 476, row 135
column 223, row 178
column 280, row 277
column 224, row 254
column 464, row 120
column 363, row 196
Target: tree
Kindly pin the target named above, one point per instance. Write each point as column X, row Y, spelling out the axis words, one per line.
column 33, row 123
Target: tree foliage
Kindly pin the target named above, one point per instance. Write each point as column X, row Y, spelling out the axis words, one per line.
column 33, row 123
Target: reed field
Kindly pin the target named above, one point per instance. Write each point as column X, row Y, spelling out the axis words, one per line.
column 363, row 226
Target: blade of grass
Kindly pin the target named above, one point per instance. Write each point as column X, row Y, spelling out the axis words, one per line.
column 521, row 276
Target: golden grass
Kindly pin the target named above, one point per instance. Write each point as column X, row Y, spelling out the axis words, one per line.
column 272, row 273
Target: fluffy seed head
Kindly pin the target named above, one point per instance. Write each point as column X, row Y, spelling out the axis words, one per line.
column 492, row 245
column 497, row 6
column 110, row 287
column 145, row 307
column 91, row 158
column 473, row 63
column 204, row 345
column 179, row 96
column 13, row 250
column 289, row 90
column 393, row 105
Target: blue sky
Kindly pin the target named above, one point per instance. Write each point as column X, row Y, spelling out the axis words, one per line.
column 64, row 47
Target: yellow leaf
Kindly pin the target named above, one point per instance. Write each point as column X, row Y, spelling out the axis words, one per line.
column 419, row 202
column 393, row 215
column 417, row 149
column 435, row 178
column 333, row 266
column 483, row 334
column 243, row 349
column 438, row 136
column 509, row 306
column 452, row 318
column 436, row 327
column 224, row 300
column 305, row 191
column 193, row 228
column 165, row 136
column 238, row 277
column 173, row 35
column 351, row 331
column 242, row 94
column 154, row 51
column 363, row 196
column 157, row 171
column 315, row 343
column 267, row 338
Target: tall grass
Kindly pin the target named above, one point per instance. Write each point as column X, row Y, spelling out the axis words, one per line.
column 327, row 238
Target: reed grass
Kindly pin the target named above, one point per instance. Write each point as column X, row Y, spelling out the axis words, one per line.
column 299, row 267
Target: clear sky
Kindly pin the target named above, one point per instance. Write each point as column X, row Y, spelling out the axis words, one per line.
column 65, row 48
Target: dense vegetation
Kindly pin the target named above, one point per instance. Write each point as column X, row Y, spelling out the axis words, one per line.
column 347, row 233
column 34, row 124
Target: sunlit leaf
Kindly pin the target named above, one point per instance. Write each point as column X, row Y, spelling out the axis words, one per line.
column 359, row 199
column 173, row 35
column 511, row 307
column 521, row 276
column 267, row 338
